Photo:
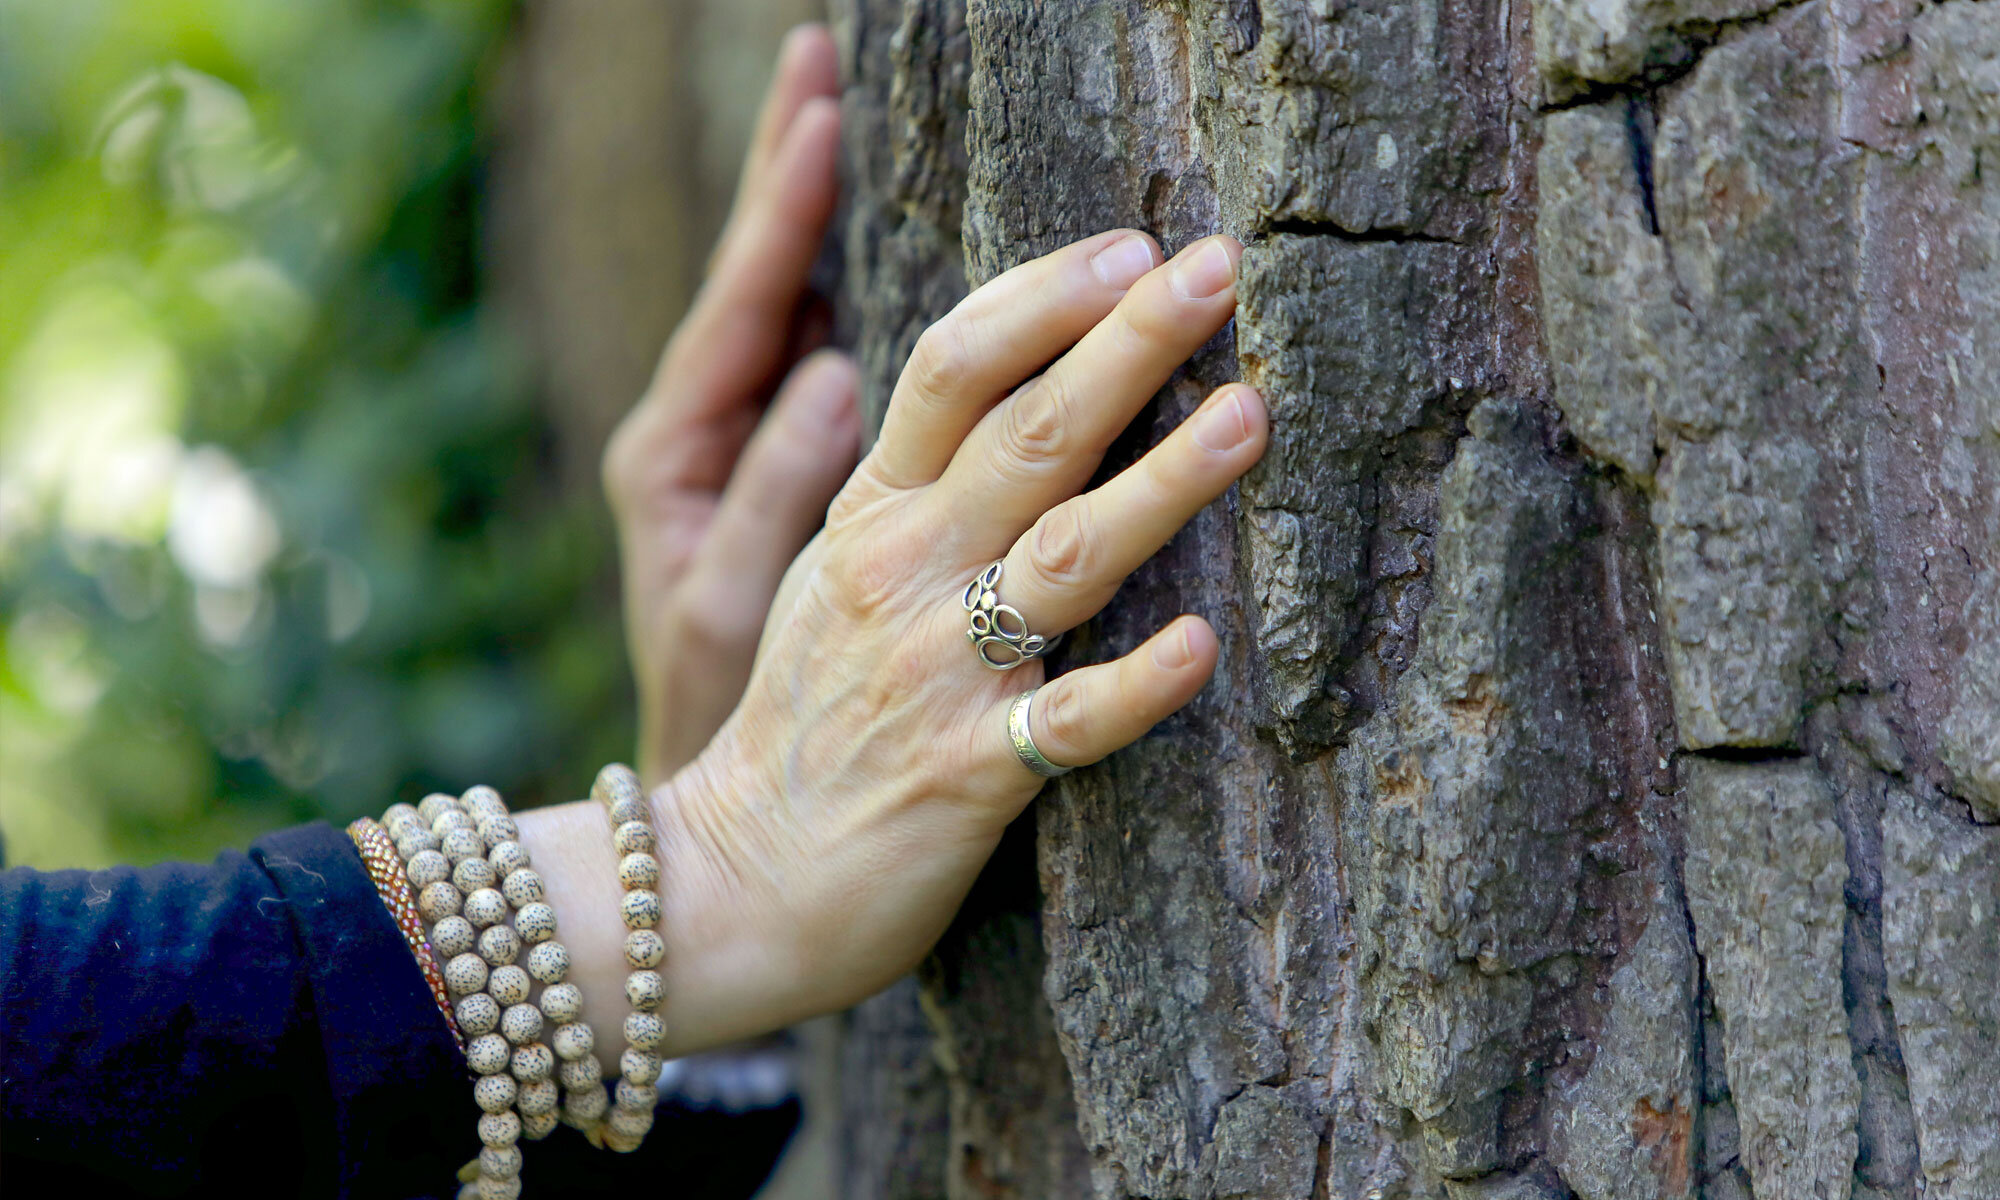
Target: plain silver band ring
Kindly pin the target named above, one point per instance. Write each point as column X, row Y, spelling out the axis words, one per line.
column 1020, row 733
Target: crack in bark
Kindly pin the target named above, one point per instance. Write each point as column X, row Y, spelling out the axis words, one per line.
column 1748, row 754
column 1306, row 227
column 1639, row 129
column 1701, row 38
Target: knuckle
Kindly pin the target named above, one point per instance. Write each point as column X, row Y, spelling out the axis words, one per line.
column 1065, row 717
column 1064, row 546
column 863, row 492
column 719, row 624
column 1037, row 425
column 782, row 459
column 618, row 471
column 871, row 577
column 941, row 360
column 1148, row 319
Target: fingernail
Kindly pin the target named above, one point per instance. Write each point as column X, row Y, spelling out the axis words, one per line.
column 1201, row 271
column 1172, row 652
column 1220, row 425
column 1121, row 263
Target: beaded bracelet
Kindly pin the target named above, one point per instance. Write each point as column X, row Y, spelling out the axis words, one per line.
column 467, row 915
column 545, row 961
column 464, row 858
column 617, row 787
column 385, row 868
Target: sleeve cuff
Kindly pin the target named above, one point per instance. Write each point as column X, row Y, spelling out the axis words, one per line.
column 404, row 1119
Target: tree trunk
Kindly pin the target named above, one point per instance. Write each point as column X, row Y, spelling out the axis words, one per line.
column 1600, row 793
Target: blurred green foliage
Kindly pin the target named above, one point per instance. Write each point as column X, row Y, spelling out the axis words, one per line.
column 280, row 535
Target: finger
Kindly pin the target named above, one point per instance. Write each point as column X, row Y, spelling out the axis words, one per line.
column 994, row 339
column 743, row 315
column 733, row 339
column 708, row 390
column 1078, row 718
column 790, row 470
column 1066, row 568
column 808, row 66
column 1041, row 445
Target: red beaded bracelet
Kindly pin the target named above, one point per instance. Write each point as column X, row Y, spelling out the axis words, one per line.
column 385, row 867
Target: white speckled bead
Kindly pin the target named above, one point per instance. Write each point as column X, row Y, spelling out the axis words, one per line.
column 535, row 922
column 494, row 1093
column 630, row 809
column 441, row 900
column 416, row 842
column 562, row 1002
column 640, row 1066
column 539, row 1126
column 645, row 990
column 430, row 806
column 499, row 1189
column 508, row 985
column 453, row 818
column 427, row 867
column 481, row 800
column 465, row 974
column 641, row 910
column 626, row 1094
column 638, row 870
column 499, row 945
column 477, row 1013
column 488, row 1054
column 495, row 830
column 461, row 843
column 403, row 824
column 499, row 1129
column 507, row 858
column 453, row 936
column 521, row 1023
column 502, row 1162
column 548, row 962
column 539, row 1096
column 644, row 1030
column 632, row 1122
column 586, row 1105
column 533, row 1061
column 615, row 782
column 573, row 1040
column 622, row 1143
column 579, row 1073
column 471, row 874
column 485, row 907
column 399, row 811
column 633, row 837
column 644, row 949
column 523, row 887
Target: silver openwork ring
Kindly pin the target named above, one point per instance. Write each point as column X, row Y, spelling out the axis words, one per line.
column 998, row 632
column 1023, row 737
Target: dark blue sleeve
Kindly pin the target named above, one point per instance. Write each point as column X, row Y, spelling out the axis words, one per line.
column 255, row 1026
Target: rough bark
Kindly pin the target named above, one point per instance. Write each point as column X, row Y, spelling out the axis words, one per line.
column 1601, row 793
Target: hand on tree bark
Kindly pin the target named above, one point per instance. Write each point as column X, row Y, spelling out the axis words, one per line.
column 822, row 842
column 714, row 494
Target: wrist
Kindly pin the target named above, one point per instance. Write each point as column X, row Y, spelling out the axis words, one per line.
column 725, row 977
column 734, row 965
